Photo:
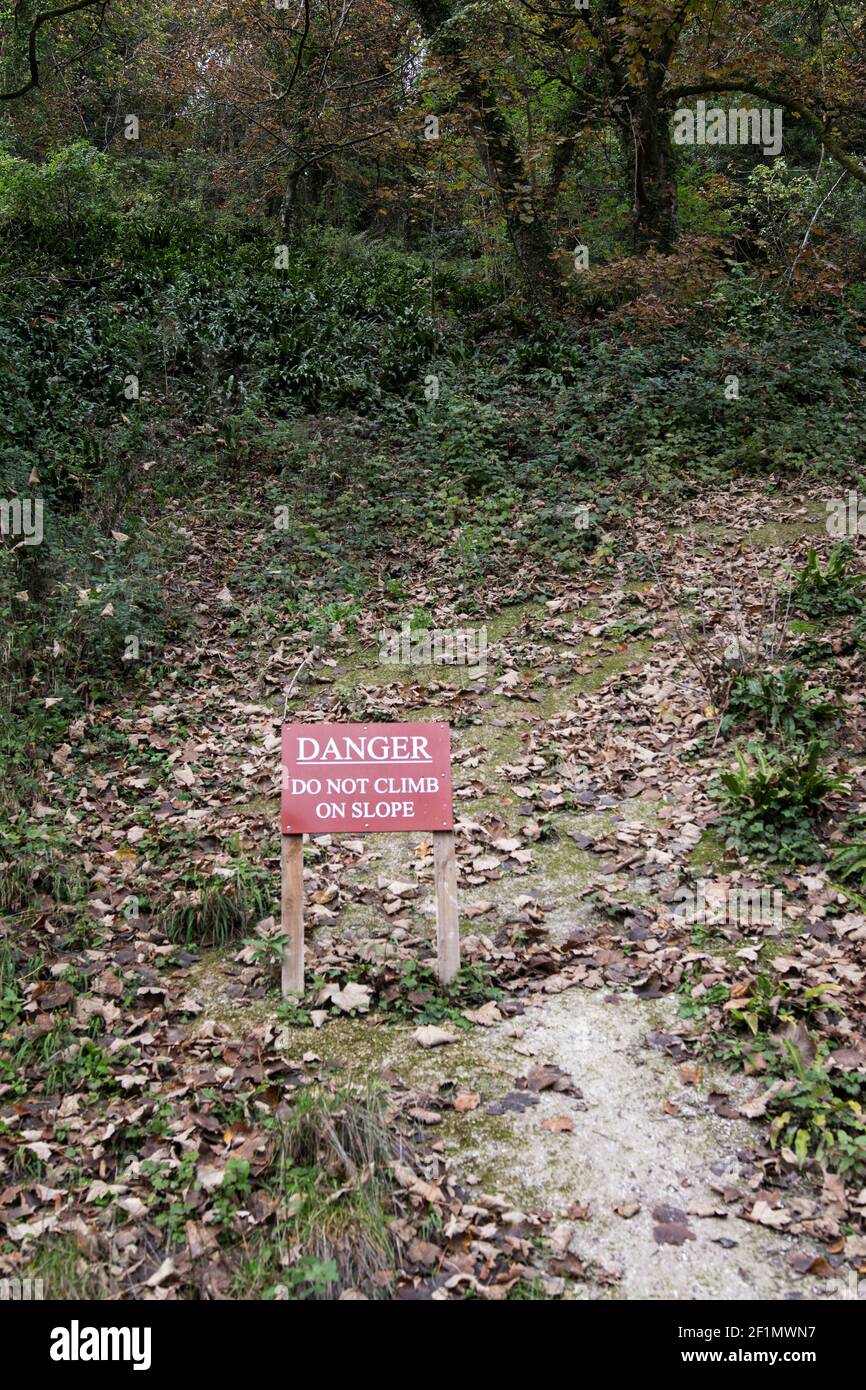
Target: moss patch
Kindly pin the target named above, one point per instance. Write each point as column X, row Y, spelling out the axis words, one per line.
column 709, row 852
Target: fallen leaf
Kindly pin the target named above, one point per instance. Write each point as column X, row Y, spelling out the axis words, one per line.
column 558, row 1124
column 353, row 996
column 431, row 1036
column 164, row 1272
column 765, row 1215
column 466, row 1100
column 487, row 1015
column 672, row 1233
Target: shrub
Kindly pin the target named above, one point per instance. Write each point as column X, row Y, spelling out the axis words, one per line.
column 212, row 913
column 68, row 198
column 35, row 861
column 771, row 798
column 835, row 589
column 778, row 702
column 332, row 1177
column 11, row 999
column 848, row 863
column 821, row 1115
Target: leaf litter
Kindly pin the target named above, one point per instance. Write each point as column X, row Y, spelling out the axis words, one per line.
column 121, row 1095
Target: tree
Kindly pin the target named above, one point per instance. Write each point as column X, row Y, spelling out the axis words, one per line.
column 31, row 39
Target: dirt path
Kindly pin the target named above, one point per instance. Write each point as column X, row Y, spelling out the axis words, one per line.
column 575, row 812
column 642, row 1192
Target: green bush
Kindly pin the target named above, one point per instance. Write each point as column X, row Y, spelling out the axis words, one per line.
column 770, row 799
column 822, row 1116
column 778, row 702
column 834, row 589
column 212, row 912
column 848, row 863
column 67, row 200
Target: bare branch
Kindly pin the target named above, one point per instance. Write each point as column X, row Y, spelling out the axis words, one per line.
column 742, row 83
column 43, row 18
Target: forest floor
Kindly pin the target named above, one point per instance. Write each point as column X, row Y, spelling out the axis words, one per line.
column 595, row 1117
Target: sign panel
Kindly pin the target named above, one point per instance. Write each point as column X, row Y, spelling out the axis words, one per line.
column 366, row 777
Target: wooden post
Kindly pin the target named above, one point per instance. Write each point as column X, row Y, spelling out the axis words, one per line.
column 292, row 913
column 447, row 921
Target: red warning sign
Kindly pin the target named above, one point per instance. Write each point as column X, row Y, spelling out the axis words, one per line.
column 366, row 777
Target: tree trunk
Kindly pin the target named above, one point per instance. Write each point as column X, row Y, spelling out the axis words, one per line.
column 500, row 153
column 289, row 208
column 654, row 186
column 643, row 121
column 528, row 232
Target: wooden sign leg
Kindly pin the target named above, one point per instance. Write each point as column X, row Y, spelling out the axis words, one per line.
column 447, row 922
column 292, row 913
